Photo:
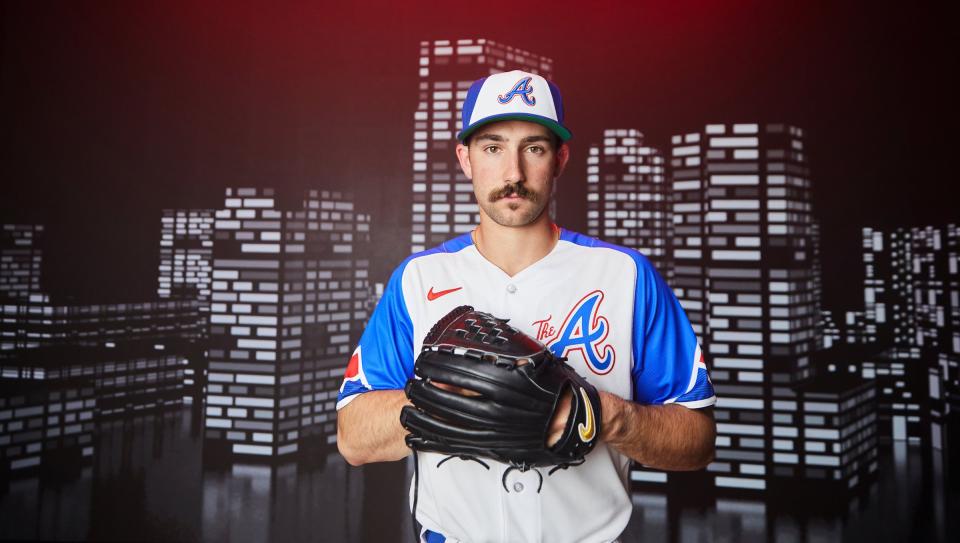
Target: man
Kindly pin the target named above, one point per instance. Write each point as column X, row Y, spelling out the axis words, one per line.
column 603, row 307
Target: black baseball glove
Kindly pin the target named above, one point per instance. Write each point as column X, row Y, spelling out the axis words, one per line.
column 498, row 392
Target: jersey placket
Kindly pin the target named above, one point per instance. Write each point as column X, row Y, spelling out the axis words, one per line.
column 521, row 505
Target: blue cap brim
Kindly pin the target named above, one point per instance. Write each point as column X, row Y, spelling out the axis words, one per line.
column 554, row 126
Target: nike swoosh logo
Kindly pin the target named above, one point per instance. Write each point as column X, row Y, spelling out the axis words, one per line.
column 589, row 430
column 431, row 295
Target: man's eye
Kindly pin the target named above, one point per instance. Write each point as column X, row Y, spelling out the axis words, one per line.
column 492, row 149
column 536, row 149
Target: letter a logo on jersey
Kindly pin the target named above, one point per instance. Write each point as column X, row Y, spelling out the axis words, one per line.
column 584, row 330
column 523, row 89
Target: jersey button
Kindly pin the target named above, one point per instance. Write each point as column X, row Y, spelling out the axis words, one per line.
column 518, row 486
column 511, row 288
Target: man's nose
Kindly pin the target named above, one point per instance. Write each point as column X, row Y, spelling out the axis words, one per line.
column 514, row 169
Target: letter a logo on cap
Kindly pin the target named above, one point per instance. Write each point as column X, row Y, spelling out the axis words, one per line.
column 523, row 89
column 491, row 99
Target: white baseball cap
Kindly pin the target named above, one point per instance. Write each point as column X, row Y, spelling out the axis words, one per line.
column 515, row 95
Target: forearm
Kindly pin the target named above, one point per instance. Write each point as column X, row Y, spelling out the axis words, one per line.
column 369, row 430
column 669, row 437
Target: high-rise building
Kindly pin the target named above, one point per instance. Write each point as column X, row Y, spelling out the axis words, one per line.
column 137, row 355
column 186, row 251
column 936, row 289
column 835, row 442
column 949, row 394
column 903, row 393
column 64, row 366
column 889, row 315
column 857, row 330
column 21, row 258
column 46, row 414
column 910, row 287
column 628, row 197
column 37, row 324
column 289, row 298
column 744, row 272
column 912, row 306
column 936, row 278
column 126, row 376
column 186, row 248
column 818, row 330
column 443, row 202
column 829, row 332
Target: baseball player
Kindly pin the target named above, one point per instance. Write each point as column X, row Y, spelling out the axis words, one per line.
column 602, row 307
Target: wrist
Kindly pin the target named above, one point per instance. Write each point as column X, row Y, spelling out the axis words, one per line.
column 612, row 409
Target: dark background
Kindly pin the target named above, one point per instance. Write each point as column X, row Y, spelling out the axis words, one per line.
column 112, row 111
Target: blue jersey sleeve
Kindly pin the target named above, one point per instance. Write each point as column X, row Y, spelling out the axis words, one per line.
column 668, row 363
column 383, row 360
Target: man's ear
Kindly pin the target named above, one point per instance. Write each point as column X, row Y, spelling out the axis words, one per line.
column 563, row 156
column 463, row 155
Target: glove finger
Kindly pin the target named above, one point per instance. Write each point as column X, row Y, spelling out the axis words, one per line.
column 507, row 386
column 473, row 410
column 426, row 425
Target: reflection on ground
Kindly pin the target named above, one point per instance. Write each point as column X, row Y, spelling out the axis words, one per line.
column 148, row 482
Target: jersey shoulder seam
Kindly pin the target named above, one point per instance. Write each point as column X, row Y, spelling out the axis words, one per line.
column 581, row 240
column 449, row 246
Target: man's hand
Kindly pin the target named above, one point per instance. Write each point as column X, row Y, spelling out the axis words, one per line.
column 559, row 421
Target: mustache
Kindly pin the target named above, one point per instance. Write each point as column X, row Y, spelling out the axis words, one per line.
column 510, row 190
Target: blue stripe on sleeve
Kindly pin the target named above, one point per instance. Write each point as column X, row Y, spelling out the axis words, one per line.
column 664, row 341
column 702, row 389
column 386, row 345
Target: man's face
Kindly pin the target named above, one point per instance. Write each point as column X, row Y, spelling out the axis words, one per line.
column 513, row 165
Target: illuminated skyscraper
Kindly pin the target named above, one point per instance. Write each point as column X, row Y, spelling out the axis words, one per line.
column 828, row 330
column 49, row 418
column 948, row 343
column 889, row 315
column 186, row 248
column 935, row 285
column 835, row 442
column 42, row 324
column 744, row 271
column 936, row 276
column 64, row 366
column 125, row 377
column 20, row 261
column 912, row 306
column 628, row 197
column 443, row 201
column 856, row 329
column 818, row 330
column 289, row 298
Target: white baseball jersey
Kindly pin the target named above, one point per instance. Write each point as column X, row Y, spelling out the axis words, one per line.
column 603, row 307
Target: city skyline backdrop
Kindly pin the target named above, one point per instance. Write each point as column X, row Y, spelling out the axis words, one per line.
column 262, row 228
column 118, row 111
column 278, row 293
